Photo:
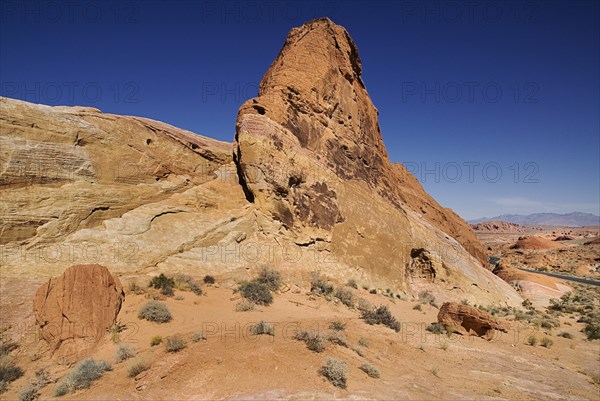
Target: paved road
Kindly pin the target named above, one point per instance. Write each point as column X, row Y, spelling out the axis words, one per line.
column 494, row 260
column 580, row 280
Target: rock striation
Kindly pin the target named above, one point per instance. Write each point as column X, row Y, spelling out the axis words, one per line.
column 74, row 310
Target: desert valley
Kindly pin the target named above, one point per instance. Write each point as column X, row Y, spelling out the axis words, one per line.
column 140, row 261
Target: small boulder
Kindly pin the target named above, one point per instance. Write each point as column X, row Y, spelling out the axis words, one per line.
column 467, row 320
column 75, row 309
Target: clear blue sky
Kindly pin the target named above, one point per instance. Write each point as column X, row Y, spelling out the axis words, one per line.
column 466, row 90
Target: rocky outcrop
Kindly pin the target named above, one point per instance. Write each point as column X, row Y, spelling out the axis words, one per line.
column 498, row 227
column 69, row 168
column 309, row 186
column 467, row 320
column 313, row 123
column 535, row 243
column 74, row 310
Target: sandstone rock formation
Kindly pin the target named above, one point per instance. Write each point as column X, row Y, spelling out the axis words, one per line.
column 309, row 186
column 498, row 227
column 535, row 243
column 312, row 125
column 75, row 309
column 70, row 168
column 467, row 320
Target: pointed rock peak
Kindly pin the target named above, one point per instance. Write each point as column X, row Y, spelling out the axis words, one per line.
column 314, row 90
column 319, row 42
column 313, row 131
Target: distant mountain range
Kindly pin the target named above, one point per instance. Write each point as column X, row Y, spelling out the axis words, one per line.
column 575, row 219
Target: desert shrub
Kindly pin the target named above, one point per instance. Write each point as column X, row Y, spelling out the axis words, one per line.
column 418, row 307
column 137, row 367
column 444, row 346
column 426, row 297
column 345, row 296
column 185, row 282
column 566, row 304
column 335, row 371
column 63, row 388
column 352, row 283
column 314, row 341
column 363, row 304
column 373, row 291
column 155, row 340
column 8, row 370
column 29, row 393
column 337, row 325
column 527, row 304
column 164, row 284
column 380, row 315
column 174, row 344
column 436, row 328
column 370, row 370
column 155, row 311
column 114, row 331
column 179, row 298
column 198, row 336
column 269, row 277
column 318, row 285
column 565, row 335
column 134, row 287
column 532, row 340
column 546, row 342
column 209, row 279
column 256, row 292
column 7, row 347
column 42, row 378
column 124, row 352
column 263, row 328
column 592, row 330
column 244, row 306
column 337, row 338
column 363, row 342
column 82, row 376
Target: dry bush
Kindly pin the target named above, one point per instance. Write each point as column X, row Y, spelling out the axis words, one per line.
column 335, row 371
column 155, row 311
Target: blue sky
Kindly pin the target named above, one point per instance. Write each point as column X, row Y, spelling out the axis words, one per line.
column 493, row 105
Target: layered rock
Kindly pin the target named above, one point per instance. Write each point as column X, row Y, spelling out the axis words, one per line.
column 68, row 168
column 310, row 154
column 313, row 123
column 74, row 310
column 467, row 320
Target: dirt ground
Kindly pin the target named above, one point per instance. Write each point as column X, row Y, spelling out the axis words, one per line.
column 232, row 364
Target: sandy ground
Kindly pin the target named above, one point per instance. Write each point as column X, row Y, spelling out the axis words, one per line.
column 233, row 364
column 571, row 256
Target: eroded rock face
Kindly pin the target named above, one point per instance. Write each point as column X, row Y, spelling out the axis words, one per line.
column 467, row 320
column 313, row 125
column 75, row 309
column 68, row 168
column 309, row 187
